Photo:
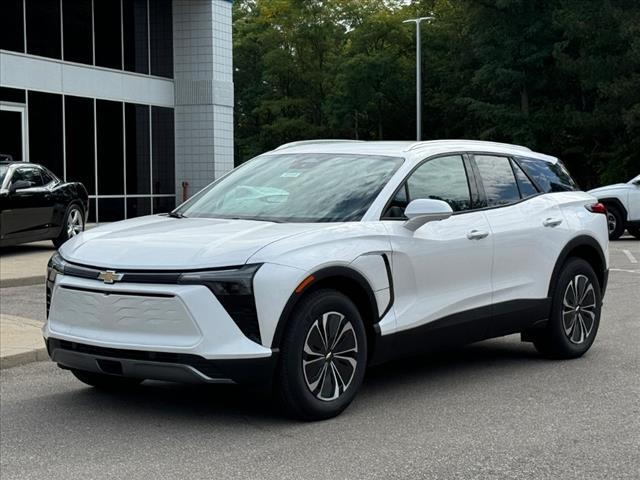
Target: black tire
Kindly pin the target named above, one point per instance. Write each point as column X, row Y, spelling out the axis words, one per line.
column 294, row 383
column 558, row 341
column 73, row 215
column 635, row 231
column 105, row 382
column 615, row 222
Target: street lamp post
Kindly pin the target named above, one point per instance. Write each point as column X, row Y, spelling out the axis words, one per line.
column 418, row 21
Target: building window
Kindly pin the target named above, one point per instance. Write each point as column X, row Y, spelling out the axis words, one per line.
column 163, row 204
column 162, row 134
column 76, row 27
column 135, row 39
column 138, row 156
column 138, row 206
column 45, row 131
column 11, row 13
column 161, row 38
column 110, row 209
column 43, row 28
column 79, row 138
column 108, row 46
column 14, row 95
column 110, row 149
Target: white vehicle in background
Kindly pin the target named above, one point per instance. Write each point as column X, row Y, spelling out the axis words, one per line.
column 307, row 264
column 623, row 207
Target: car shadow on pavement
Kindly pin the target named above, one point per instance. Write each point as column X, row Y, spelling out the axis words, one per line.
column 224, row 404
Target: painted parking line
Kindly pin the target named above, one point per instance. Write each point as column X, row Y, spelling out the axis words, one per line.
column 630, row 256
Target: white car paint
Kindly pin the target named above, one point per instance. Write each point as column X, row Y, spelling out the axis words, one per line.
column 469, row 261
column 627, row 193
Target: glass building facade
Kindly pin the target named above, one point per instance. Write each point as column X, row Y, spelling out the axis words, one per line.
column 89, row 89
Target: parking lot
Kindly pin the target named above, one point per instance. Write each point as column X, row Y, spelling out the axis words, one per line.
column 491, row 410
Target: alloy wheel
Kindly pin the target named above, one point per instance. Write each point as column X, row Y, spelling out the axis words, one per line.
column 579, row 309
column 329, row 357
column 74, row 223
column 612, row 223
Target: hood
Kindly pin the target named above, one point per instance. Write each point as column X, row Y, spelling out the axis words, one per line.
column 609, row 187
column 163, row 243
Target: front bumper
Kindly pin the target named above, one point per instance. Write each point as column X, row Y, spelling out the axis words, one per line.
column 172, row 367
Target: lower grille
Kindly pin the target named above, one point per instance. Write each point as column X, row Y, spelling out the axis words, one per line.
column 201, row 364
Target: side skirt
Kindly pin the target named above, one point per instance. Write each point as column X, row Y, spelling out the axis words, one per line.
column 462, row 328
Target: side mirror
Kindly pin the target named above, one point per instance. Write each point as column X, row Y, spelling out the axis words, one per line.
column 19, row 185
column 422, row 210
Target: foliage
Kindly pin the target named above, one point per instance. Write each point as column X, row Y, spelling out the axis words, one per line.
column 560, row 76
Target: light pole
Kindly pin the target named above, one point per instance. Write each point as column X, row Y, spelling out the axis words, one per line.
column 418, row 21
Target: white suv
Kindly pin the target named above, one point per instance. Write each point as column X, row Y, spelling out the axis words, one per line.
column 310, row 262
column 623, row 207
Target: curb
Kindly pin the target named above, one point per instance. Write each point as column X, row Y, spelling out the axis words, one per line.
column 22, row 281
column 23, row 358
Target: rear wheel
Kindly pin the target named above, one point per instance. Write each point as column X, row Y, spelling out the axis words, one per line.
column 72, row 225
column 575, row 313
column 635, row 231
column 615, row 222
column 105, row 382
column 323, row 356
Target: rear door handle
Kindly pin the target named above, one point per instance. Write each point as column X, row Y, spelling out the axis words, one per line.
column 552, row 222
column 477, row 234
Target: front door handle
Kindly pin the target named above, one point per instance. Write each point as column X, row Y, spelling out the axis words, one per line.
column 552, row 222
column 477, row 234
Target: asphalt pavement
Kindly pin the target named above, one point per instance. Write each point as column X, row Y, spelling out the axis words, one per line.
column 491, row 410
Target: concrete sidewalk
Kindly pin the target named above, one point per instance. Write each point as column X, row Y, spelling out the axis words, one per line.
column 20, row 341
column 24, row 264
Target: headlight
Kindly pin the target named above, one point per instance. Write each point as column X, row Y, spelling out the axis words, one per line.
column 234, row 290
column 55, row 267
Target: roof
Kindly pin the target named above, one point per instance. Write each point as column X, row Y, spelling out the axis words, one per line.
column 406, row 149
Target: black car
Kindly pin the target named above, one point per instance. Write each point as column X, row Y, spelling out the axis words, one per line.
column 37, row 205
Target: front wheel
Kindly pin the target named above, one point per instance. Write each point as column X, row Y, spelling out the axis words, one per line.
column 72, row 225
column 575, row 313
column 323, row 356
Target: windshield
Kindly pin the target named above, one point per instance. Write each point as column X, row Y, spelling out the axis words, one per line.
column 310, row 187
column 3, row 172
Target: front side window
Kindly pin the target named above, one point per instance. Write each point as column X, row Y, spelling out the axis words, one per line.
column 550, row 177
column 499, row 183
column 442, row 178
column 29, row 174
column 310, row 187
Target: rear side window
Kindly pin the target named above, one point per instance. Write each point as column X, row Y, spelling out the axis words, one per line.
column 498, row 180
column 29, row 174
column 527, row 189
column 550, row 177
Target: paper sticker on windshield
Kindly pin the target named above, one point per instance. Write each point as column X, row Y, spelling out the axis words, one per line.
column 290, row 175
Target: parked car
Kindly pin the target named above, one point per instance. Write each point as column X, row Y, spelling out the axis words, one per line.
column 308, row 263
column 37, row 205
column 623, row 207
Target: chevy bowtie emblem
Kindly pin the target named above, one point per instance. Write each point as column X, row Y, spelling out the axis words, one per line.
column 109, row 276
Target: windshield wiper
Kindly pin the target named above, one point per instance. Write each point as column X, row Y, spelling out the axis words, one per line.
column 176, row 215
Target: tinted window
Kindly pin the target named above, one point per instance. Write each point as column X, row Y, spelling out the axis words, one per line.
column 305, row 187
column 107, row 33
column 138, row 149
column 550, row 177
column 43, row 28
column 80, row 151
column 163, row 204
column 164, row 165
column 136, row 207
column 497, row 178
column 29, row 174
column 45, row 131
column 135, row 35
column 12, row 95
column 47, row 177
column 76, row 21
column 444, row 179
column 110, row 209
column 110, row 150
column 11, row 136
column 12, row 37
column 527, row 189
column 161, row 38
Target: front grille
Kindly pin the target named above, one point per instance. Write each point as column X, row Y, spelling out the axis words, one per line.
column 201, row 364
